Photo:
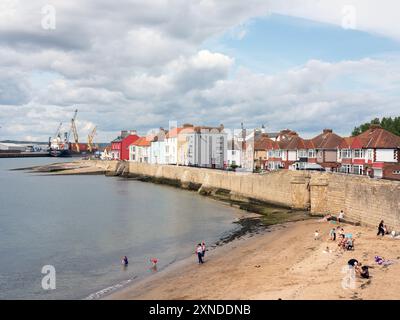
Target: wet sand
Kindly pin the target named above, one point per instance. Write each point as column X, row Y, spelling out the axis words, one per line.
column 282, row 262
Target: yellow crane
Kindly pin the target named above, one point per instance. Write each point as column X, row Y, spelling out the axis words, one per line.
column 90, row 139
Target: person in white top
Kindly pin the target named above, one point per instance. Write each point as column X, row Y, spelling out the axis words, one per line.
column 199, row 251
column 341, row 216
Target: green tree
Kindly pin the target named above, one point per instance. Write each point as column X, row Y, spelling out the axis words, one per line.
column 388, row 123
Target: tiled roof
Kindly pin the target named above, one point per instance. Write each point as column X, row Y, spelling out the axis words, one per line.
column 265, row 143
column 327, row 140
column 346, row 143
column 173, row 132
column 142, row 142
column 377, row 137
column 295, row 143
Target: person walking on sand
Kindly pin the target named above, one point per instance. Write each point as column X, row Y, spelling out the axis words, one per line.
column 381, row 228
column 199, row 251
column 203, row 249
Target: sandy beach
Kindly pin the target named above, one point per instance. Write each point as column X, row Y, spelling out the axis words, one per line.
column 283, row 262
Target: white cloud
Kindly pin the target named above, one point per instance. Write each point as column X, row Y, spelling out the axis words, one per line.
column 138, row 64
column 380, row 17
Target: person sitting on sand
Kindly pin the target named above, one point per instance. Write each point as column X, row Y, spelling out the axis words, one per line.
column 352, row 262
column 349, row 245
column 362, row 271
column 342, row 242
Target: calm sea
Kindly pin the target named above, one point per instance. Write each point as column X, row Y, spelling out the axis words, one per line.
column 83, row 225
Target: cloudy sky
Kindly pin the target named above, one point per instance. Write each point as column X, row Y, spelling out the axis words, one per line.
column 135, row 64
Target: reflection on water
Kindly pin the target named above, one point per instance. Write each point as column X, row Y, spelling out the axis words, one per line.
column 83, row 225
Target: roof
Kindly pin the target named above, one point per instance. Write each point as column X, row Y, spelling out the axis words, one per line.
column 346, row 143
column 377, row 137
column 265, row 143
column 295, row 143
column 173, row 132
column 142, row 142
column 118, row 139
column 327, row 140
column 199, row 129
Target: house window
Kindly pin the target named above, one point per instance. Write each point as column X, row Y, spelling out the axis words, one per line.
column 302, row 153
column 359, row 154
column 357, row 169
column 345, row 153
column 311, row 153
column 345, row 168
column 270, row 153
column 277, row 153
column 370, row 154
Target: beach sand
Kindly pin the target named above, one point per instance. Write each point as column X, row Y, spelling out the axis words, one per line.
column 282, row 262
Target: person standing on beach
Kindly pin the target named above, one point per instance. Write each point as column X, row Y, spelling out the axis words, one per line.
column 340, row 216
column 332, row 234
column 381, row 229
column 203, row 249
column 199, row 251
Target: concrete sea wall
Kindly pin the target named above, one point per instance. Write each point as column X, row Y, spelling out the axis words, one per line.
column 364, row 200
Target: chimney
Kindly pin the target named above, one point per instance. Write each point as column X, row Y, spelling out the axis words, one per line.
column 325, row 131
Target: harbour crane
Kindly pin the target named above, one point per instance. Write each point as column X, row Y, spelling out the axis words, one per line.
column 91, row 138
column 74, row 131
column 58, row 130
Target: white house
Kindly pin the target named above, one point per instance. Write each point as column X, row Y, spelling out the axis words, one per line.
column 139, row 151
column 203, row 147
column 234, row 150
column 157, row 148
column 171, row 146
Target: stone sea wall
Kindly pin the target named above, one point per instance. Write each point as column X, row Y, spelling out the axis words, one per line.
column 364, row 200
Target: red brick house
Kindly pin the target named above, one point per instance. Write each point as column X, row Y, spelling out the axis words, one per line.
column 374, row 152
column 120, row 146
column 324, row 150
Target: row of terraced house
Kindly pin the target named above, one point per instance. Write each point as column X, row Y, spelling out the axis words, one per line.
column 375, row 152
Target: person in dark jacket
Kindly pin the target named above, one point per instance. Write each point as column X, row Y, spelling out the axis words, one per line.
column 381, row 228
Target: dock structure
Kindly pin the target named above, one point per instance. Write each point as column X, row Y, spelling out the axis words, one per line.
column 23, row 154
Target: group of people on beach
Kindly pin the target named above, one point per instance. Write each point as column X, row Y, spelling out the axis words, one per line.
column 346, row 242
column 201, row 251
column 362, row 271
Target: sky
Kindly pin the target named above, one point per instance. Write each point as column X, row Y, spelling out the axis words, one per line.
column 128, row 64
